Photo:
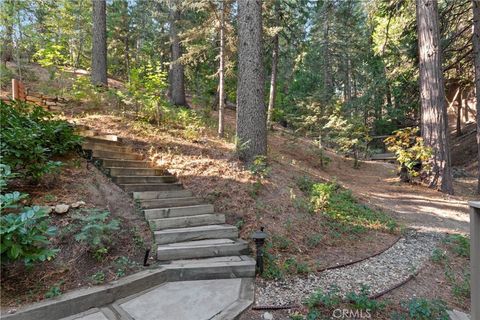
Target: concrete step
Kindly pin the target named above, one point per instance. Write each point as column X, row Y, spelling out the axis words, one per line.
column 214, row 268
column 202, row 249
column 216, row 231
column 119, row 171
column 143, row 179
column 185, row 222
column 151, row 187
column 116, row 155
column 169, row 202
column 105, row 147
column 160, row 213
column 124, row 164
column 153, row 195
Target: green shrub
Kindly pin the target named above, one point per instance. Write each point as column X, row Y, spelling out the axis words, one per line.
column 342, row 208
column 329, row 299
column 54, row 291
column 259, row 167
column 30, row 138
column 24, row 232
column 459, row 244
column 423, row 309
column 362, row 301
column 97, row 231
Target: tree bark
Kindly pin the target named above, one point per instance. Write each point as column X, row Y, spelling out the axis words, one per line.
column 434, row 121
column 459, row 113
column 221, row 71
column 476, row 50
column 273, row 78
column 251, row 113
column 7, row 47
column 99, row 47
column 176, row 73
column 327, row 74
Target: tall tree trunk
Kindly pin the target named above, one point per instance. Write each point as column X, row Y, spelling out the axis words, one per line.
column 273, row 78
column 434, row 122
column 251, row 113
column 6, row 48
column 99, row 48
column 465, row 103
column 221, row 71
column 327, row 74
column 459, row 113
column 476, row 50
column 176, row 75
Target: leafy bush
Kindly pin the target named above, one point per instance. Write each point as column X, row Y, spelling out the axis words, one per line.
column 24, row 235
column 30, row 138
column 259, row 167
column 423, row 309
column 459, row 244
column 96, row 231
column 410, row 151
column 342, row 207
column 329, row 299
column 362, row 300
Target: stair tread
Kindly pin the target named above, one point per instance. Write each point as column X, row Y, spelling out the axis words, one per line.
column 181, row 207
column 200, row 243
column 198, row 216
column 214, row 260
column 198, row 228
column 146, row 201
column 159, row 195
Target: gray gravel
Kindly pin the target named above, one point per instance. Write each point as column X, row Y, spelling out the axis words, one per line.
column 378, row 273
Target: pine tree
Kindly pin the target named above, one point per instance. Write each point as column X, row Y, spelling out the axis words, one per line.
column 434, row 121
column 251, row 113
column 99, row 49
column 476, row 54
column 176, row 72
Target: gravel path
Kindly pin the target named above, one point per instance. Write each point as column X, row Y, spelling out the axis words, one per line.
column 378, row 273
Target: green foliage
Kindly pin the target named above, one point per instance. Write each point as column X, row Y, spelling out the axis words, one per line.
column 459, row 244
column 293, row 266
column 30, row 138
column 409, row 150
column 5, row 175
column 259, row 167
column 362, row 300
column 341, row 207
column 97, row 231
column 123, row 264
column 98, row 277
column 438, row 256
column 25, row 231
column 272, row 268
column 6, row 75
column 314, row 240
column 281, row 242
column 54, row 291
column 329, row 299
column 423, row 309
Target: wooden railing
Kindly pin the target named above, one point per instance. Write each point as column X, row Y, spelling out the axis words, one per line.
column 475, row 259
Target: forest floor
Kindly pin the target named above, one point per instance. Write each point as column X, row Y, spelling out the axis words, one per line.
column 209, row 167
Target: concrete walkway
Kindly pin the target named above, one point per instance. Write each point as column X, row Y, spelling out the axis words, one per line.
column 182, row 300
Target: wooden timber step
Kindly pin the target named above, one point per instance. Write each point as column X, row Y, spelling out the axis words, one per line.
column 160, row 213
column 216, row 231
column 125, row 164
column 186, row 221
column 123, row 171
column 151, row 187
column 169, row 202
column 116, row 155
column 106, row 147
column 202, row 249
column 155, row 195
column 106, row 140
column 143, row 179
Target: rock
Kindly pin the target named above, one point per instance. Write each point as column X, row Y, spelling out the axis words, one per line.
column 268, row 316
column 77, row 204
column 61, row 208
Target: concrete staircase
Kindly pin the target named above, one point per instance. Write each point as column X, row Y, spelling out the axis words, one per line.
column 189, row 234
